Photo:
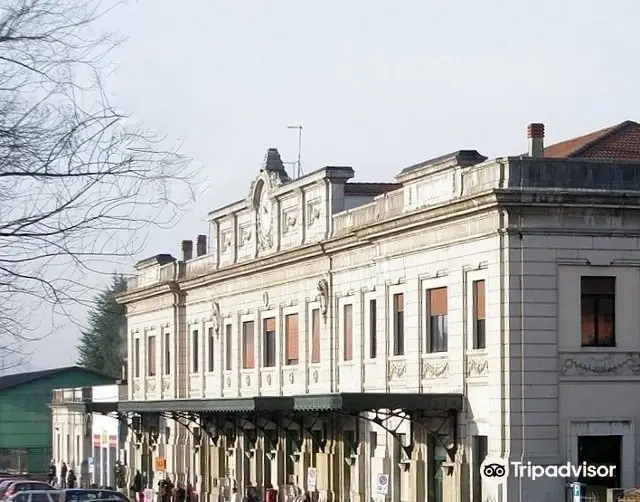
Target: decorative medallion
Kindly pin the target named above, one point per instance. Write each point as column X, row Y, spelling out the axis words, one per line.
column 265, row 300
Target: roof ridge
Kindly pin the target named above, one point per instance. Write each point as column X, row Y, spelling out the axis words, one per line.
column 607, row 132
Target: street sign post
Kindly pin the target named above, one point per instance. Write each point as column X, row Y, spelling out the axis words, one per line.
column 382, row 484
column 312, row 476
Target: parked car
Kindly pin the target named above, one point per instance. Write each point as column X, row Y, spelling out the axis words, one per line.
column 88, row 494
column 5, row 483
column 21, row 485
column 36, row 496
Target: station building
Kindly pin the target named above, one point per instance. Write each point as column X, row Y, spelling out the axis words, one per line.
column 346, row 334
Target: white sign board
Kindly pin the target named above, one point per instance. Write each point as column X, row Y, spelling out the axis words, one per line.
column 148, row 495
column 91, row 462
column 312, row 476
column 382, row 484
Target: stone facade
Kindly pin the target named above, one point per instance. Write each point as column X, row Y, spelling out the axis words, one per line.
column 526, row 229
column 89, row 443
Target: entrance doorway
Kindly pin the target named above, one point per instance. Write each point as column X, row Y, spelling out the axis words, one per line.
column 600, row 451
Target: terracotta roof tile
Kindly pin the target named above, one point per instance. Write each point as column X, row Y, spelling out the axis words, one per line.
column 619, row 142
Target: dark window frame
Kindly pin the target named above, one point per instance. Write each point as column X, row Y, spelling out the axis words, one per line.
column 594, row 290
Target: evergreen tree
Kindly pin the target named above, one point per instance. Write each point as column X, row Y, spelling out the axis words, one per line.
column 102, row 344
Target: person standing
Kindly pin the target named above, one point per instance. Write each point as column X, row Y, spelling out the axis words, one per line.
column 51, row 476
column 180, row 494
column 63, row 475
column 71, row 479
column 136, row 487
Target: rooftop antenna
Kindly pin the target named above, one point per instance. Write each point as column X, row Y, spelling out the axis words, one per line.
column 297, row 165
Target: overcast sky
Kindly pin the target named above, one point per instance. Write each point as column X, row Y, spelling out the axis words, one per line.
column 377, row 85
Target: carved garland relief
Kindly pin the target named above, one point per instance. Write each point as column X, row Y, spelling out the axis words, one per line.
column 619, row 364
column 435, row 369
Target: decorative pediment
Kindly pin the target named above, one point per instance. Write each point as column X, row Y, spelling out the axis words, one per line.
column 272, row 174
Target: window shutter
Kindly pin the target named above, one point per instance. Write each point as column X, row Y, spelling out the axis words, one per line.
column 398, row 301
column 292, row 337
column 437, row 302
column 348, row 332
column 249, row 352
column 479, row 300
column 315, row 336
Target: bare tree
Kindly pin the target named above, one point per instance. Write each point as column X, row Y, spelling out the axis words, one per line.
column 79, row 184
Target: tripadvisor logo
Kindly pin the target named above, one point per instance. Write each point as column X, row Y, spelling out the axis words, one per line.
column 495, row 470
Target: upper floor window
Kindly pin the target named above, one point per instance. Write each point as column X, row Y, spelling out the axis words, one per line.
column 136, row 357
column 398, row 325
column 437, row 315
column 373, row 329
column 291, row 336
column 248, row 353
column 479, row 337
column 167, row 353
column 227, row 347
column 210, row 350
column 347, row 321
column 269, row 344
column 598, row 311
column 151, row 356
column 315, row 336
column 195, row 351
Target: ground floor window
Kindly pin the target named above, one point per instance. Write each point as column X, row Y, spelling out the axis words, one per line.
column 436, row 455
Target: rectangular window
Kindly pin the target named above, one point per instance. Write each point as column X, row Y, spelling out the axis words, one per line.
column 136, row 357
column 598, row 311
column 479, row 337
column 195, row 351
column 373, row 329
column 78, row 458
column 291, row 335
column 348, row 332
column 248, row 353
column 269, row 344
column 210, row 347
column 315, row 336
column 398, row 324
column 167, row 353
column 437, row 315
column 479, row 452
column 227, row 347
column 151, row 356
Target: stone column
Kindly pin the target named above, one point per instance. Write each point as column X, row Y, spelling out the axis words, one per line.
column 456, row 479
column 359, row 476
column 302, row 464
column 256, row 466
column 278, row 468
column 217, row 465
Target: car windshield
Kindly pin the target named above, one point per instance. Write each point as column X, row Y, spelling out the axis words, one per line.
column 82, row 495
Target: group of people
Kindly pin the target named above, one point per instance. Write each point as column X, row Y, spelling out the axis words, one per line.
column 67, row 478
column 167, row 492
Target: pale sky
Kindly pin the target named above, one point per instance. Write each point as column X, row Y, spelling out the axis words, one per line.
column 376, row 85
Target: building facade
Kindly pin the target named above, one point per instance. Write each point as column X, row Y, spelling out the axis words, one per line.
column 89, row 443
column 25, row 417
column 364, row 339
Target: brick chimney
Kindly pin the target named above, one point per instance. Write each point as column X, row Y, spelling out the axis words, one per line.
column 201, row 245
column 187, row 250
column 535, row 133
